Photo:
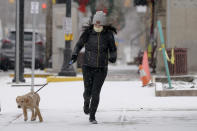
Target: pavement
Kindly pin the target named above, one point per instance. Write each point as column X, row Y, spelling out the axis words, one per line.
column 109, row 121
column 143, row 111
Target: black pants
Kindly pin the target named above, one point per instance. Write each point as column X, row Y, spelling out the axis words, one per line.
column 93, row 81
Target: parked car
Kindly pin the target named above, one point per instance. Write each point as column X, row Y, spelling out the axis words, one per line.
column 7, row 54
column 1, row 32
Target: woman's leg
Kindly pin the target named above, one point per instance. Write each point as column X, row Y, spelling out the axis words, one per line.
column 88, row 82
column 99, row 78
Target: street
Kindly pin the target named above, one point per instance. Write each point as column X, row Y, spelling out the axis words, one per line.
column 124, row 106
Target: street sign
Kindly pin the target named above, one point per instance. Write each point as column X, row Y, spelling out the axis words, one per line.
column 67, row 25
column 141, row 9
column 34, row 7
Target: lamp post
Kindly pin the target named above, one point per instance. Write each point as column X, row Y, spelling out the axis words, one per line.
column 67, row 70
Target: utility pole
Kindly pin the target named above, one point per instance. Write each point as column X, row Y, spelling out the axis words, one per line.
column 19, row 46
column 67, row 70
column 152, row 39
column 49, row 18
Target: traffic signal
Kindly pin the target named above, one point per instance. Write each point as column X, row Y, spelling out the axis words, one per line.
column 140, row 2
column 44, row 7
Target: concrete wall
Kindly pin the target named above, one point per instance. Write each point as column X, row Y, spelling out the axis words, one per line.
column 182, row 21
column 161, row 8
column 179, row 20
column 58, row 34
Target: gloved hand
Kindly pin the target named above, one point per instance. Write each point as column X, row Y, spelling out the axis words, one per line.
column 112, row 60
column 113, row 56
column 74, row 58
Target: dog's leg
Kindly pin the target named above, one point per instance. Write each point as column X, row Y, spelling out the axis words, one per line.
column 25, row 113
column 36, row 114
column 33, row 115
column 37, row 103
column 39, row 115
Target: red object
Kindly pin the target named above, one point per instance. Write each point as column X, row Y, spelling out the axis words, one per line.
column 144, row 70
column 84, row 2
column 6, row 41
column 82, row 8
column 98, row 22
column 145, row 65
column 105, row 10
column 39, row 43
column 82, row 5
column 143, row 76
column 44, row 5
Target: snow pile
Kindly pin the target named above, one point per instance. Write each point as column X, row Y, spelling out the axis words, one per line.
column 182, row 85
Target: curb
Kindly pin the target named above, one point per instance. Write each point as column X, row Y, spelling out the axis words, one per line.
column 63, row 79
column 36, row 75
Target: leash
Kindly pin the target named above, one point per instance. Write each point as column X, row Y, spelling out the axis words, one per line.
column 11, row 121
column 41, row 87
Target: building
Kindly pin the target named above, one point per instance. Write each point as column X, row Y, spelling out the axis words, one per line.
column 179, row 20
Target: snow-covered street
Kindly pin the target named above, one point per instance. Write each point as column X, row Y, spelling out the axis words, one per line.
column 124, row 106
column 108, row 121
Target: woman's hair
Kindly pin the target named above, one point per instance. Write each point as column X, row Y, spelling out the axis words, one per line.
column 87, row 27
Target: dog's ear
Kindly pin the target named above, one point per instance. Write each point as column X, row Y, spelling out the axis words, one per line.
column 17, row 98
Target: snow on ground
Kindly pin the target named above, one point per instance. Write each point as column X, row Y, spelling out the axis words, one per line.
column 182, row 85
column 124, row 106
column 122, row 67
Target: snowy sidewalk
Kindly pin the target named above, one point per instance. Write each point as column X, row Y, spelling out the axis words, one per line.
column 124, row 106
column 61, row 120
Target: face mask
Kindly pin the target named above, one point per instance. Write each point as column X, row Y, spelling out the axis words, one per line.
column 98, row 29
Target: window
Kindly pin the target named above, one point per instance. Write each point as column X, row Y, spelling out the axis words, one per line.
column 60, row 1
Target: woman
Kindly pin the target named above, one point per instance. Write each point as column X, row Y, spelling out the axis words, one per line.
column 100, row 47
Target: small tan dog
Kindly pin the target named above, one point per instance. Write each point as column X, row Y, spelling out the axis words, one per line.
column 30, row 101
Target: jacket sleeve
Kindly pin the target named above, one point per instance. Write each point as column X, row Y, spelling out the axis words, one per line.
column 80, row 43
column 112, row 48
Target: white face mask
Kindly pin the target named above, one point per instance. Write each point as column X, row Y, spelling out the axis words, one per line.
column 98, row 29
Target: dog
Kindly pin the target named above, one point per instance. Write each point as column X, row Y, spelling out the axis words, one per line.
column 30, row 101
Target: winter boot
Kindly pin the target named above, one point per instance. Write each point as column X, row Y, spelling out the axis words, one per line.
column 92, row 120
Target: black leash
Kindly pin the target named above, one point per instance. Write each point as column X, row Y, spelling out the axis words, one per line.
column 70, row 63
column 41, row 87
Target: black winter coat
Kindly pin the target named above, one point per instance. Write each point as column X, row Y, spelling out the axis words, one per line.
column 99, row 47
